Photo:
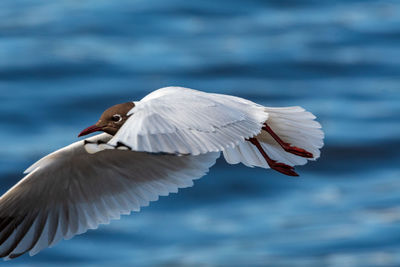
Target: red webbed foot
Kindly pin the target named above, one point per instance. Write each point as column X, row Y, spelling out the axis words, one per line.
column 298, row 151
column 283, row 168
column 277, row 166
column 286, row 146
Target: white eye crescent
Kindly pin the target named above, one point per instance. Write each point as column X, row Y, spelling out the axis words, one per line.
column 116, row 118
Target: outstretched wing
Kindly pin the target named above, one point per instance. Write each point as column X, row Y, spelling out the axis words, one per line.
column 186, row 121
column 70, row 191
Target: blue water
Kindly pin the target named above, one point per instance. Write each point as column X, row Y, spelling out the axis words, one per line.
column 63, row 62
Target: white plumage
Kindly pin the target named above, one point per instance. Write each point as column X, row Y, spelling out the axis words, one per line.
column 186, row 121
column 70, row 191
column 171, row 137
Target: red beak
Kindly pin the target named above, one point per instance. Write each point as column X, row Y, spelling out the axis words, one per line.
column 91, row 129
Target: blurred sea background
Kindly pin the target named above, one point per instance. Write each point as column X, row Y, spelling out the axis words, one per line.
column 63, row 62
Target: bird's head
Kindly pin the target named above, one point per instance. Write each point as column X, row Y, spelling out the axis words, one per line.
column 111, row 120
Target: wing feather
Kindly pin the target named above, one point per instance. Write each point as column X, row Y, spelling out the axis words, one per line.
column 70, row 191
column 185, row 121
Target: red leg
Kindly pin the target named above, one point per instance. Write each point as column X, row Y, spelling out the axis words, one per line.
column 280, row 167
column 286, row 146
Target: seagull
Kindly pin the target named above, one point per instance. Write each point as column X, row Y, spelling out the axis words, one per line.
column 147, row 149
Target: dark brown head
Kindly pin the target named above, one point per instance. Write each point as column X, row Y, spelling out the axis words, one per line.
column 111, row 120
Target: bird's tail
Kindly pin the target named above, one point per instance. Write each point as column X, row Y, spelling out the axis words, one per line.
column 294, row 126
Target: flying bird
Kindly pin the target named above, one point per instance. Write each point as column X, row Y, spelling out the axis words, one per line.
column 148, row 148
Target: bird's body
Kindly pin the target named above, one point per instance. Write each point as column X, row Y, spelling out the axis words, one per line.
column 150, row 148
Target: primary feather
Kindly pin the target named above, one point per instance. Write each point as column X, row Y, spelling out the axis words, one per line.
column 71, row 191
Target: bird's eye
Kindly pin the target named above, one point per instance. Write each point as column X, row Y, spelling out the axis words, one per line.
column 116, row 118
